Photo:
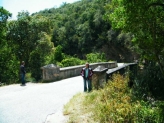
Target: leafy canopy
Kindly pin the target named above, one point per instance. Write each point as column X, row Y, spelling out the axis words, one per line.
column 144, row 19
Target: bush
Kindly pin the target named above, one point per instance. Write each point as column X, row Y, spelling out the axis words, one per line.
column 71, row 62
column 9, row 66
column 95, row 57
column 29, row 78
column 35, row 64
column 116, row 104
column 58, row 53
column 150, row 82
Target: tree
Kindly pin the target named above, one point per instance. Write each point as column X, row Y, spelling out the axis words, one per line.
column 80, row 29
column 23, row 33
column 95, row 57
column 19, row 34
column 8, row 62
column 58, row 53
column 42, row 55
column 29, row 38
column 144, row 19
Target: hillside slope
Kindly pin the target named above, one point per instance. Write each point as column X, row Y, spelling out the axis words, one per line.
column 81, row 29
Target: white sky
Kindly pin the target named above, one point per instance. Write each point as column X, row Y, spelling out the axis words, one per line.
column 32, row 6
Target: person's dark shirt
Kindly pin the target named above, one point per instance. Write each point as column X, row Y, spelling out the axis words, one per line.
column 22, row 69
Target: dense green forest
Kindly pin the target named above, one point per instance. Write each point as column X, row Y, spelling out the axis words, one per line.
column 80, row 29
column 69, row 35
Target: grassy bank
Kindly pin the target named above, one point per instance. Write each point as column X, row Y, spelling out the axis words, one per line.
column 113, row 104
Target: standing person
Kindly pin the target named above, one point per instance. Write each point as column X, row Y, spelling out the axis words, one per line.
column 22, row 72
column 87, row 73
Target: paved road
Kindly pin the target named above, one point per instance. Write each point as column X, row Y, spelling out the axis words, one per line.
column 34, row 102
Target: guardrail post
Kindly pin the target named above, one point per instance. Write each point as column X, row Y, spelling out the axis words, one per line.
column 99, row 77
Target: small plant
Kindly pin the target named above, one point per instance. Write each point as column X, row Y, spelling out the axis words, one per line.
column 29, row 78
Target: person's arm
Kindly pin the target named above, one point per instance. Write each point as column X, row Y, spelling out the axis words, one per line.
column 90, row 72
column 23, row 69
column 82, row 72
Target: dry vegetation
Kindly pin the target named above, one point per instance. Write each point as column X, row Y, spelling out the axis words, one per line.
column 113, row 104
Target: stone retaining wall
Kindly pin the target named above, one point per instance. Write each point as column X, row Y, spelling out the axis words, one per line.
column 53, row 73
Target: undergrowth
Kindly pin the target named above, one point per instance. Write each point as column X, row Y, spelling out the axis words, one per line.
column 115, row 103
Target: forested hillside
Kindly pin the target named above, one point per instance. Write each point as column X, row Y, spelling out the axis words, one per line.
column 69, row 35
column 80, row 29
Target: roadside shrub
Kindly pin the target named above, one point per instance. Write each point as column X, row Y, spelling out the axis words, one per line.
column 29, row 78
column 116, row 104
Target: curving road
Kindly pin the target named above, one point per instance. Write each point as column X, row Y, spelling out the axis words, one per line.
column 33, row 103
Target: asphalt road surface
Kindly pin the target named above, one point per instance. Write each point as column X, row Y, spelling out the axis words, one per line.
column 33, row 103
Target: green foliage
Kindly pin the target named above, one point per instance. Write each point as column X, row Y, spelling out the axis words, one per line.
column 115, row 103
column 35, row 64
column 23, row 34
column 4, row 15
column 80, row 29
column 95, row 57
column 149, row 82
column 144, row 19
column 9, row 66
column 29, row 78
column 28, row 37
column 72, row 61
column 75, row 29
column 91, row 58
column 42, row 55
column 58, row 53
